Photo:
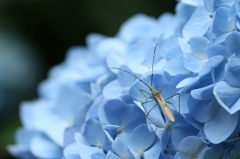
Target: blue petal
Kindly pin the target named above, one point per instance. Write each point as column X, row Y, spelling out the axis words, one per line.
column 86, row 152
column 194, row 53
column 238, row 8
column 93, row 110
column 181, row 155
column 95, row 135
column 93, row 38
column 163, row 136
column 125, row 79
column 198, row 24
column 115, row 60
column 232, row 12
column 20, row 151
column 224, row 124
column 179, row 131
column 69, row 134
column 131, row 118
column 221, row 23
column 42, row 147
column 175, row 66
column 161, row 79
column 139, row 26
column 232, row 43
column 135, row 90
column 205, row 111
column 71, row 152
column 98, row 155
column 209, row 4
column 24, row 136
column 113, row 89
column 120, row 148
column 213, row 152
column 204, row 93
column 72, row 96
column 190, row 145
column 31, row 114
column 214, row 50
column 141, row 139
column 153, row 152
column 232, row 75
column 107, row 111
column 112, row 155
column 107, row 46
column 227, row 96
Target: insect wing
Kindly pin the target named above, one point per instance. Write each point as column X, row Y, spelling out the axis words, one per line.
column 165, row 107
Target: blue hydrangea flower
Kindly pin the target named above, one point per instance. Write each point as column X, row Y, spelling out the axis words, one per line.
column 89, row 110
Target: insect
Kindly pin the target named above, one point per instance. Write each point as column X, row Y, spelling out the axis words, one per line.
column 156, row 94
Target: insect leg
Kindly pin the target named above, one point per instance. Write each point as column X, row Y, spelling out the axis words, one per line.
column 144, row 94
column 173, row 105
column 146, row 101
column 147, row 112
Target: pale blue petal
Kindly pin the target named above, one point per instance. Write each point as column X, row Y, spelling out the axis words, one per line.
column 95, row 134
column 153, row 152
column 221, row 23
column 232, row 43
column 98, row 155
column 204, row 93
column 109, row 45
column 137, row 27
column 198, row 24
column 209, row 4
column 232, row 75
column 120, row 148
column 20, row 151
column 232, row 12
column 179, row 131
column 141, row 139
column 195, row 59
column 113, row 89
column 71, row 151
column 69, row 134
column 238, row 8
column 175, row 66
column 125, row 79
column 181, row 155
column 86, row 152
column 107, row 111
column 111, row 155
column 214, row 50
column 42, row 147
column 190, row 145
column 205, row 110
column 224, row 124
column 213, row 152
column 115, row 60
column 93, row 38
column 163, row 136
column 227, row 96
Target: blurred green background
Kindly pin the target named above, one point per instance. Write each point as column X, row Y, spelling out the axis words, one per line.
column 35, row 35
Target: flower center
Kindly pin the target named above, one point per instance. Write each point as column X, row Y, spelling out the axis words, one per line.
column 141, row 153
column 119, row 130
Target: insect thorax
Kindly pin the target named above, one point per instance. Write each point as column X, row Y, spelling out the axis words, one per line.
column 155, row 92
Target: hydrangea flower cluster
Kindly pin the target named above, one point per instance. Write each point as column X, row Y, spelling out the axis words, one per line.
column 86, row 110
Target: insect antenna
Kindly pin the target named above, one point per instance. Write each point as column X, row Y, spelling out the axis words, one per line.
column 132, row 75
column 153, row 62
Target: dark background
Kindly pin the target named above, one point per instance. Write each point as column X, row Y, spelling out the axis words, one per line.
column 46, row 29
